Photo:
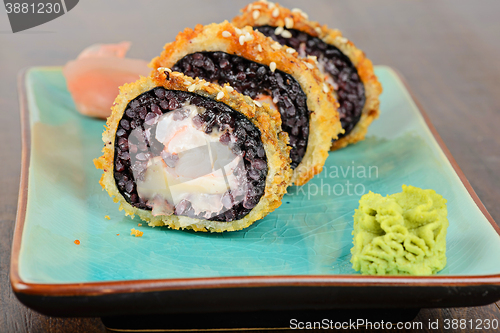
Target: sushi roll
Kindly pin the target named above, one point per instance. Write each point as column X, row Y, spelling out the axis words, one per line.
column 189, row 154
column 268, row 72
column 346, row 67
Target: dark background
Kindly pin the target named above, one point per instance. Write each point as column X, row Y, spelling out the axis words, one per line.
column 447, row 50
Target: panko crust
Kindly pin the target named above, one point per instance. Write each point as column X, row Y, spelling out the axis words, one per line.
column 324, row 123
column 267, row 120
column 273, row 14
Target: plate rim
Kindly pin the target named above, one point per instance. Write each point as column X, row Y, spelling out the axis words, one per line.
column 145, row 285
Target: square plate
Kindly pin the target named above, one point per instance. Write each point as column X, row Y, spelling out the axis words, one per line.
column 295, row 258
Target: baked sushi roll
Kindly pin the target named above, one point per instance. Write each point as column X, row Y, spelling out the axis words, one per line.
column 262, row 69
column 346, row 67
column 189, row 154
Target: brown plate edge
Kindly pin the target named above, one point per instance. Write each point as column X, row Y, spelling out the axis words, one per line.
column 131, row 286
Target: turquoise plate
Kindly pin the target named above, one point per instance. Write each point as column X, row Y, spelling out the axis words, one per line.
column 305, row 241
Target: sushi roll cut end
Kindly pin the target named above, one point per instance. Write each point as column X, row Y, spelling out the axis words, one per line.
column 188, row 154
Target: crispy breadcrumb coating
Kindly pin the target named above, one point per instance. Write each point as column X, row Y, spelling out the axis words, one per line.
column 268, row 121
column 324, row 123
column 274, row 15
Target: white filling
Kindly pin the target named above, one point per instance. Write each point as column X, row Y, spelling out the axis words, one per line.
column 273, row 103
column 203, row 172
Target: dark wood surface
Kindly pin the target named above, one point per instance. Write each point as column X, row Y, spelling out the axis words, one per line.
column 447, row 50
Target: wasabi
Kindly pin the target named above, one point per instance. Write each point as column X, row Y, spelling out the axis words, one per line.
column 402, row 233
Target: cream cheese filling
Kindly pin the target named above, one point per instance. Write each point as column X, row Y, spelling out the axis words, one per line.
column 193, row 166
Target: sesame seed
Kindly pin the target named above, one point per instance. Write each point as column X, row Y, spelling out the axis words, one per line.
column 226, row 34
column 272, row 66
column 325, row 88
column 270, row 5
column 187, row 83
column 162, row 69
column 257, row 103
column 255, row 14
column 248, row 37
column 288, row 23
column 206, row 84
column 192, row 87
column 259, row 47
column 229, row 89
column 318, row 30
column 238, row 31
column 278, row 30
column 276, row 12
column 301, row 12
column 290, row 50
column 342, row 39
column 286, row 34
column 310, row 66
column 242, row 39
column 220, row 95
column 276, row 46
column 313, row 58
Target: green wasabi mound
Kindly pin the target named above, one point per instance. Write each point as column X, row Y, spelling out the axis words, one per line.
column 402, row 233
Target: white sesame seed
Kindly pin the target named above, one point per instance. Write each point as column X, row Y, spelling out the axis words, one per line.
column 226, row 34
column 313, row 58
column 229, row 89
column 288, row 22
column 206, row 84
column 162, row 69
column 255, row 14
column 259, row 47
column 278, row 30
column 257, row 103
column 238, row 31
column 276, row 46
column 286, row 34
column 242, row 39
column 301, row 12
column 220, row 95
column 270, row 5
column 325, row 88
column 318, row 30
column 192, row 87
column 187, row 83
column 272, row 66
column 342, row 39
column 276, row 12
column 310, row 66
column 248, row 37
column 290, row 50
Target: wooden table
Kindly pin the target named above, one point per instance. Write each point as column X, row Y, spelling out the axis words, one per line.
column 447, row 50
